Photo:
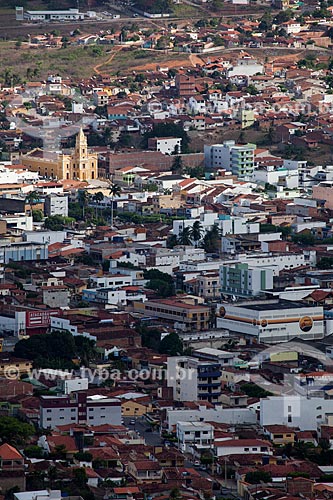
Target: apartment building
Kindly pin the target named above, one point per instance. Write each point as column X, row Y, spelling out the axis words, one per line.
column 306, row 413
column 194, row 436
column 242, row 280
column 239, row 159
column 193, row 379
column 272, row 321
column 78, row 408
column 181, row 315
column 56, row 204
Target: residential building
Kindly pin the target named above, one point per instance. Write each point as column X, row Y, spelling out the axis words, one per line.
column 145, row 471
column 166, row 145
column 56, row 204
column 195, row 379
column 272, row 321
column 242, row 280
column 242, row 446
column 306, row 413
column 78, row 408
column 194, row 436
column 239, row 159
column 55, row 296
column 12, row 470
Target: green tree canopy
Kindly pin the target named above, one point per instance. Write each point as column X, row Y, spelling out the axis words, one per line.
column 171, row 344
column 14, row 432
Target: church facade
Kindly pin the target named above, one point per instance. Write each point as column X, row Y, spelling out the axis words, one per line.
column 80, row 164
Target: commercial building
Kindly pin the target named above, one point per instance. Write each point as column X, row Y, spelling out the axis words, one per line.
column 181, row 315
column 77, row 165
column 78, row 408
column 271, row 321
column 53, row 15
column 239, row 159
column 242, row 280
column 22, row 251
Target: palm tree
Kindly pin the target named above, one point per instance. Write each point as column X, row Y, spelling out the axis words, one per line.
column 196, row 232
column 98, row 198
column 32, row 197
column 115, row 190
column 83, row 198
column 185, row 236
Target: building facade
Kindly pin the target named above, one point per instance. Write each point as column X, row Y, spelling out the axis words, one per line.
column 79, row 164
column 272, row 321
column 78, row 408
column 239, row 159
column 241, row 280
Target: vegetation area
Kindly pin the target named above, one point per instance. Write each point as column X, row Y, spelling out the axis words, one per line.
column 171, row 344
column 60, row 350
column 162, row 283
column 254, row 391
column 25, row 64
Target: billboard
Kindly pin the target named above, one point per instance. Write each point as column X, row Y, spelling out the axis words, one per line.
column 38, row 319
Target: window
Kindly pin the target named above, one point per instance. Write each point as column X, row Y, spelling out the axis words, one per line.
column 290, row 418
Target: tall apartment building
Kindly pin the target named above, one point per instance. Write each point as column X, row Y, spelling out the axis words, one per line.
column 195, row 379
column 56, row 204
column 78, row 408
column 238, row 158
column 185, row 85
column 242, row 280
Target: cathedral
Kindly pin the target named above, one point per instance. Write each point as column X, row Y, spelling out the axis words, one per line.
column 79, row 164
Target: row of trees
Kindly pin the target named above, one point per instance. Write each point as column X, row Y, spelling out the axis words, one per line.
column 210, row 240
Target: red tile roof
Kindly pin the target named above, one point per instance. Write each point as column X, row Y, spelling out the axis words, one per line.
column 8, row 452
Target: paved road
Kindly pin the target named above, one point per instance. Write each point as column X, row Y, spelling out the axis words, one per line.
column 141, row 426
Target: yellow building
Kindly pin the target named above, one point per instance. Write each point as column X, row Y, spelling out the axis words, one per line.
column 132, row 408
column 78, row 165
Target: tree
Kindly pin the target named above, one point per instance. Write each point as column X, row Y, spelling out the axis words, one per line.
column 172, row 241
column 254, row 391
column 37, row 215
column 171, row 344
column 57, row 222
column 14, row 432
column 196, row 232
column 98, row 198
column 212, row 240
column 185, row 236
column 32, row 198
column 304, row 238
column 115, row 191
column 80, row 477
column 161, row 287
column 177, row 165
column 325, row 263
column 33, row 451
column 258, row 476
column 83, row 198
column 38, row 348
column 168, row 130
